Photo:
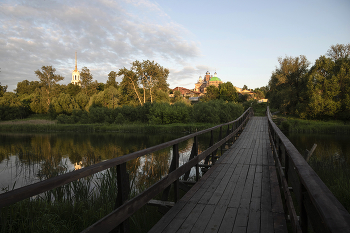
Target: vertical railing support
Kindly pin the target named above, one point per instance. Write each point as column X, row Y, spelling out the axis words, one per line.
column 212, row 143
column 206, row 161
column 220, row 137
column 123, row 194
column 176, row 159
column 194, row 153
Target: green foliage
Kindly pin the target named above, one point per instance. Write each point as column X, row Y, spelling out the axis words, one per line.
column 212, row 93
column 321, row 92
column 39, row 101
column 64, row 104
column 26, row 88
column 72, row 89
column 216, row 111
column 227, row 92
column 2, row 90
column 111, row 82
column 64, row 119
column 82, row 100
column 288, row 82
column 164, row 113
column 108, row 98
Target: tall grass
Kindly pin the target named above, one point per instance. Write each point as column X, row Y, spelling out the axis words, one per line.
column 73, row 207
column 292, row 124
column 136, row 128
column 334, row 172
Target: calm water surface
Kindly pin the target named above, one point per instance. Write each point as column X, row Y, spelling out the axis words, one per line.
column 29, row 158
column 328, row 145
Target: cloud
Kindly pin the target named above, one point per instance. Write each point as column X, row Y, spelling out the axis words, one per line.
column 107, row 35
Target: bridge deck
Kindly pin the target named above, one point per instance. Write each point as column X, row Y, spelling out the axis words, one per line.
column 239, row 193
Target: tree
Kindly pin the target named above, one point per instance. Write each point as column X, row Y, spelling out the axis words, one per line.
column 151, row 75
column 82, row 100
column 2, row 90
column 64, row 103
column 177, row 95
column 323, row 89
column 339, row 51
column 129, row 81
column 227, row 92
column 112, row 80
column 244, row 88
column 288, row 83
column 85, row 79
column 38, row 103
column 72, row 89
column 108, row 98
column 27, row 87
column 212, row 93
column 48, row 78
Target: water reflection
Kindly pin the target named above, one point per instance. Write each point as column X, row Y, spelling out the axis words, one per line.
column 328, row 145
column 29, row 158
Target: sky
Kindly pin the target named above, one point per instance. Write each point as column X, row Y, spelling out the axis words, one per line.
column 240, row 40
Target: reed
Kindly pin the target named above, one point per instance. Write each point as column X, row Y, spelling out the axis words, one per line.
column 334, row 172
column 76, row 206
column 135, row 128
column 293, row 124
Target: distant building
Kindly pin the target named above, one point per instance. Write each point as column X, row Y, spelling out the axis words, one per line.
column 186, row 92
column 202, row 84
column 75, row 73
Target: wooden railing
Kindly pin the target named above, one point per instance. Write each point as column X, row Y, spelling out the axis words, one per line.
column 124, row 208
column 318, row 208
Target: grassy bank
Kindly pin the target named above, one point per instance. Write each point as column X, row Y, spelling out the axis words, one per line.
column 135, row 128
column 293, row 124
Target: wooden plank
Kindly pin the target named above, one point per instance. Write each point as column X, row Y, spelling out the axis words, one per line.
column 228, row 220
column 179, row 218
column 188, row 224
column 204, row 218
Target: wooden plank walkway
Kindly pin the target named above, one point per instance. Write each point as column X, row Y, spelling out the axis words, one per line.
column 240, row 193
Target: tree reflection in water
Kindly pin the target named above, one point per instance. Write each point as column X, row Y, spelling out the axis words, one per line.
column 29, row 158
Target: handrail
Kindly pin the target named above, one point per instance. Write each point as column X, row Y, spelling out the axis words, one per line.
column 316, row 202
column 130, row 206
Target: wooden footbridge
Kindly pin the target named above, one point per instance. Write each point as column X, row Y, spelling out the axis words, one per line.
column 240, row 193
column 260, row 183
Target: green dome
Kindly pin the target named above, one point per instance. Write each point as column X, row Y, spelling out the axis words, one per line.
column 214, row 79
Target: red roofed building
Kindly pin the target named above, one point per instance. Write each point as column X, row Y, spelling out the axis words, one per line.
column 186, row 92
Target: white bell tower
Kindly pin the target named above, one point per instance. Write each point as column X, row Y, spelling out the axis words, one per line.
column 75, row 73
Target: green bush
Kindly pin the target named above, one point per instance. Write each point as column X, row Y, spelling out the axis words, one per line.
column 64, row 119
column 119, row 119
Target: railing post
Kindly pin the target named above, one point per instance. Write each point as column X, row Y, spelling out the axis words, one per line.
column 123, row 194
column 212, row 143
column 220, row 137
column 176, row 159
column 194, row 153
column 206, row 161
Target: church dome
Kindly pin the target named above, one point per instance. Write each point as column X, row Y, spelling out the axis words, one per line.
column 214, row 79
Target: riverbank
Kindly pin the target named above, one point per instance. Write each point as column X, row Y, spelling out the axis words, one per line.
column 293, row 124
column 44, row 125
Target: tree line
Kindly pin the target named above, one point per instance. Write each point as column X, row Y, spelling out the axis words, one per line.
column 141, row 96
column 321, row 91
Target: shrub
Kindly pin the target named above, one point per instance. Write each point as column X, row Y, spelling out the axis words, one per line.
column 64, row 119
